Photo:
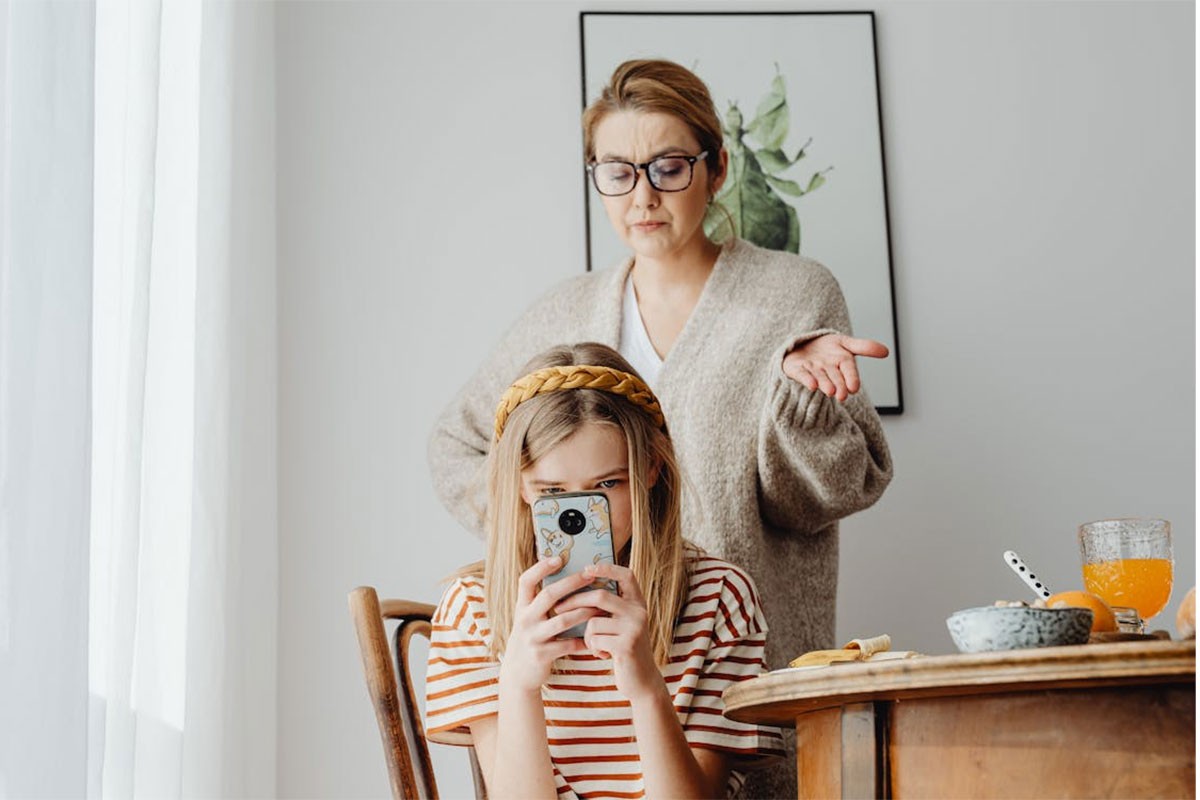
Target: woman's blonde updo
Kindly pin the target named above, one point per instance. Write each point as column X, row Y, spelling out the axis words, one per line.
column 653, row 85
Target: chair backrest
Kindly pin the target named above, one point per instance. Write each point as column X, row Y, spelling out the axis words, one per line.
column 391, row 690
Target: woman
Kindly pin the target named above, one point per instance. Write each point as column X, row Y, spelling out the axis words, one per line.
column 747, row 349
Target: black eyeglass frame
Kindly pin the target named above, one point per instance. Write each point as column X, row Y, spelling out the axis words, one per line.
column 645, row 167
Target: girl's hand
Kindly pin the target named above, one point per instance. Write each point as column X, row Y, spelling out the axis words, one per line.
column 532, row 644
column 620, row 631
column 827, row 363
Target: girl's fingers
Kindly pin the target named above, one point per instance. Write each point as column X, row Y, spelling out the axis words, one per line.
column 550, row 596
column 602, row 644
column 560, row 622
column 557, row 648
column 600, row 599
column 604, row 626
column 630, row 589
column 527, row 584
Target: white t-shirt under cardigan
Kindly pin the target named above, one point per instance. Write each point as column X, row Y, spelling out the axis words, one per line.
column 635, row 344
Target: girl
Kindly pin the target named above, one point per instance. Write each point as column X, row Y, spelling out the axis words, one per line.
column 634, row 707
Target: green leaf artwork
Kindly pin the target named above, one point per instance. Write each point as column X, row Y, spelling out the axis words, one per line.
column 753, row 194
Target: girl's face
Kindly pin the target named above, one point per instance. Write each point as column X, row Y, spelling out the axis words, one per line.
column 654, row 224
column 594, row 458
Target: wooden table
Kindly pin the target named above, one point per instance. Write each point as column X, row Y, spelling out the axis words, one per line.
column 1095, row 720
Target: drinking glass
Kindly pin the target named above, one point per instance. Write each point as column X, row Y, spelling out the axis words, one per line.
column 1128, row 562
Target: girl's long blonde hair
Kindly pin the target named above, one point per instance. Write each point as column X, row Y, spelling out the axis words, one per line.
column 539, row 424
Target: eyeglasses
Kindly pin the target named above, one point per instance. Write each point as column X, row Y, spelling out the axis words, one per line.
column 665, row 173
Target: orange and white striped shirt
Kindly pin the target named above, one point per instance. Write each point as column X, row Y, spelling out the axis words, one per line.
column 719, row 640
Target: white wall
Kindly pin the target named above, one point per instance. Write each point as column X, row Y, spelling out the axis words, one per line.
column 1040, row 172
column 253, row 406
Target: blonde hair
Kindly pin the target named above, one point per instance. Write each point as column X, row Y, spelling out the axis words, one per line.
column 655, row 85
column 537, row 425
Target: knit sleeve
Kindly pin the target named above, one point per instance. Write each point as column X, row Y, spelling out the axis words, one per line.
column 581, row 308
column 462, row 436
column 736, row 653
column 461, row 679
column 818, row 459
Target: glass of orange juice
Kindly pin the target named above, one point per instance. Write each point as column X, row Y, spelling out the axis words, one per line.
column 1128, row 562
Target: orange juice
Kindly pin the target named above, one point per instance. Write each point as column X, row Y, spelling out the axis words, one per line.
column 1141, row 583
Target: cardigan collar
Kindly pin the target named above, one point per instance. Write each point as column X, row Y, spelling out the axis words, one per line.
column 607, row 319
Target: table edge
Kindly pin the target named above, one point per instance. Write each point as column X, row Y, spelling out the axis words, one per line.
column 777, row 696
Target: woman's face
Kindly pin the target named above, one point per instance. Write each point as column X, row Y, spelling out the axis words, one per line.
column 593, row 459
column 654, row 224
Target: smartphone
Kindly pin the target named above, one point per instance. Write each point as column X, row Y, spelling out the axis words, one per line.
column 575, row 526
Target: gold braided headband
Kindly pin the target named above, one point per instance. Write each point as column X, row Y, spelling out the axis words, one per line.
column 557, row 379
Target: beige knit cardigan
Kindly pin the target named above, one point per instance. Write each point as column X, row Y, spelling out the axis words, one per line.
column 769, row 466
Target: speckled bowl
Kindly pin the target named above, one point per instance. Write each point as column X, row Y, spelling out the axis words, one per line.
column 978, row 630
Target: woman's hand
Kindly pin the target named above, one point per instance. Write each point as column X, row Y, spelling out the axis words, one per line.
column 620, row 631
column 532, row 644
column 827, row 363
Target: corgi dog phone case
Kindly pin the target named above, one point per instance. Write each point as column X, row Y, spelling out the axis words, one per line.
column 575, row 526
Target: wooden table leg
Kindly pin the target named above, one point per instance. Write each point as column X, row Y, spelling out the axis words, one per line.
column 819, row 754
column 837, row 753
column 861, row 750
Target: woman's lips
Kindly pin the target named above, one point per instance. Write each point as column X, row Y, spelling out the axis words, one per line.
column 647, row 226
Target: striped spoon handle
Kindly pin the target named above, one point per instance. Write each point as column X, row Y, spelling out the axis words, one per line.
column 1018, row 566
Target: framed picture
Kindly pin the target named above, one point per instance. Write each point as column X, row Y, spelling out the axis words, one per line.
column 798, row 94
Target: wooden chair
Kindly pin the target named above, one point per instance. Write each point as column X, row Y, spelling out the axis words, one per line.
column 391, row 690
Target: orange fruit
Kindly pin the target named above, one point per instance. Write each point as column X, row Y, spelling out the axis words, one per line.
column 1103, row 619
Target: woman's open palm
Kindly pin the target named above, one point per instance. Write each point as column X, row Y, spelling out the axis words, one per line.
column 827, row 363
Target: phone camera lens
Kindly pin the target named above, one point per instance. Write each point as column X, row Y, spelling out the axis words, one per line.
column 571, row 522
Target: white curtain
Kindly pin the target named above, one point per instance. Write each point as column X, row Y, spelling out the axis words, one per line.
column 138, row 541
column 45, row 319
column 182, row 587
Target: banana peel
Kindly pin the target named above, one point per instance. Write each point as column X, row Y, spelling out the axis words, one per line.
column 873, row 648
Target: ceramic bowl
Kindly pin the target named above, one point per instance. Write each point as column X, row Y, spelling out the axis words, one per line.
column 978, row 630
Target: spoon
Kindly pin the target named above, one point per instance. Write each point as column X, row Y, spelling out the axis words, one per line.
column 1018, row 566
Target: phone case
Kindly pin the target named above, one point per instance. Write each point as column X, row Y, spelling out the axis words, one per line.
column 576, row 527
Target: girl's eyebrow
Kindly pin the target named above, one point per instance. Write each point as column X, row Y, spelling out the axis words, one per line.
column 612, row 473
column 619, row 472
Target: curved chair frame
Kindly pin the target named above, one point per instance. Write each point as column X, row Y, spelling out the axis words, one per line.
column 389, row 683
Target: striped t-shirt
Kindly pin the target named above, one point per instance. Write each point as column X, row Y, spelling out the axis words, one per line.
column 718, row 641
